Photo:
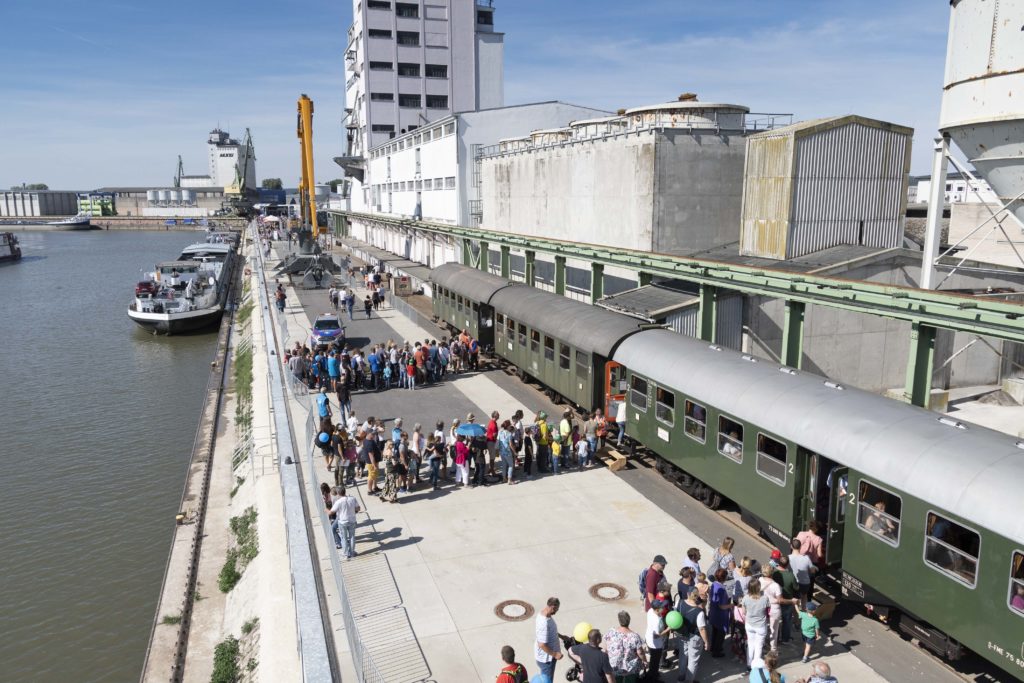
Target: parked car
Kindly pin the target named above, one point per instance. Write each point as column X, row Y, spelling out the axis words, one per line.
column 327, row 329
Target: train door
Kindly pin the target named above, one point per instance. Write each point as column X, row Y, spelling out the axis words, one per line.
column 615, row 384
column 838, row 482
column 485, row 325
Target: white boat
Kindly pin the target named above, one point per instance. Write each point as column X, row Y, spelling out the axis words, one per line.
column 187, row 294
column 79, row 222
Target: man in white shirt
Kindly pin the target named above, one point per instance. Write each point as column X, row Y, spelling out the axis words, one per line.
column 803, row 569
column 547, row 650
column 344, row 509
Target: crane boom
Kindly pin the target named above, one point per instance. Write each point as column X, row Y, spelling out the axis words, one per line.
column 307, row 186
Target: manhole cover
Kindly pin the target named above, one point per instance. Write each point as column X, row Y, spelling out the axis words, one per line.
column 607, row 592
column 514, row 610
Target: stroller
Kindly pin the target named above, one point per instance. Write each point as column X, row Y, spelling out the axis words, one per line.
column 738, row 635
column 574, row 672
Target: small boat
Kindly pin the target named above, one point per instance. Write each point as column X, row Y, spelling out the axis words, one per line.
column 9, row 249
column 188, row 294
column 79, row 222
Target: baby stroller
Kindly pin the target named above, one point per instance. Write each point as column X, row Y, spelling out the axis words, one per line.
column 574, row 672
column 738, row 635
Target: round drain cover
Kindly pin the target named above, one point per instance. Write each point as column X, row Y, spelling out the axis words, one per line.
column 607, row 592
column 514, row 610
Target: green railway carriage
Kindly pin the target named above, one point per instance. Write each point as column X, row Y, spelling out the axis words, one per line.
column 461, row 296
column 562, row 343
column 924, row 514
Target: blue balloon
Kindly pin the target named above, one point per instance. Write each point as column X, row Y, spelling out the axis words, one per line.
column 324, row 438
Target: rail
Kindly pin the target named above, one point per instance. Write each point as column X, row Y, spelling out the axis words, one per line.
column 366, row 668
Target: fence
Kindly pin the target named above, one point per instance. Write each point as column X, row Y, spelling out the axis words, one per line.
column 366, row 669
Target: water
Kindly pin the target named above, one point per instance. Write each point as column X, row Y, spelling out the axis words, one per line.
column 97, row 420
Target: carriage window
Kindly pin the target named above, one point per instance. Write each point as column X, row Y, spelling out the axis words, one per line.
column 952, row 549
column 695, row 424
column 664, row 405
column 501, row 319
column 460, row 304
column 476, row 307
column 879, row 512
column 522, row 334
column 730, row 438
column 1016, row 599
column 771, row 459
column 549, row 348
column 534, row 341
column 563, row 356
column 638, row 393
column 582, row 365
column 511, row 325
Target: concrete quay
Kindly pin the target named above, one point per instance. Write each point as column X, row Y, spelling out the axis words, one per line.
column 432, row 569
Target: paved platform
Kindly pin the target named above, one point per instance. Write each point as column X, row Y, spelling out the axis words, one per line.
column 432, row 568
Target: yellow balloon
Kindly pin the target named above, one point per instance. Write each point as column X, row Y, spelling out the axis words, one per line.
column 581, row 631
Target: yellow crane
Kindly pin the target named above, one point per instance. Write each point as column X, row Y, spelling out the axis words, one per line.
column 307, row 185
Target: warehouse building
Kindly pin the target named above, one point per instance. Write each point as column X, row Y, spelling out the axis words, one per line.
column 32, row 203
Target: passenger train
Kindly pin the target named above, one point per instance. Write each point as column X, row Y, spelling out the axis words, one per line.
column 924, row 513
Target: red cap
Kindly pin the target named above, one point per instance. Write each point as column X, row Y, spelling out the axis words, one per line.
column 776, row 554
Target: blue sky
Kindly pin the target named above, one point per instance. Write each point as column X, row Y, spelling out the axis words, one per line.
column 110, row 92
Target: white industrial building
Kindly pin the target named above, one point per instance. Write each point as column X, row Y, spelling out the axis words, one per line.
column 30, row 203
column 227, row 159
column 665, row 178
column 432, row 173
column 408, row 65
column 959, row 189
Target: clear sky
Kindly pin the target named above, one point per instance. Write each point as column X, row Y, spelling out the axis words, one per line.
column 98, row 92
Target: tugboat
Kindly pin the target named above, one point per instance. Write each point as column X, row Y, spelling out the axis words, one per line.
column 9, row 249
column 79, row 222
column 187, row 294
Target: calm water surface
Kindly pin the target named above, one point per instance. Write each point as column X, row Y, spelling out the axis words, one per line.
column 97, row 420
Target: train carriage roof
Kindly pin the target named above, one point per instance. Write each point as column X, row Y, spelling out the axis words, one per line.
column 973, row 472
column 586, row 327
column 470, row 282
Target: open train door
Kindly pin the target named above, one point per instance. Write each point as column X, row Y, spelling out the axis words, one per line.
column 839, row 483
column 614, row 389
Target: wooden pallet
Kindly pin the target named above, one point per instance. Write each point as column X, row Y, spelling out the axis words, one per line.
column 614, row 459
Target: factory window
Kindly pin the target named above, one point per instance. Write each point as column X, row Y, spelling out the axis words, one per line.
column 405, row 9
column 419, row 184
column 437, row 101
column 534, row 341
column 377, row 4
column 436, row 70
column 408, row 38
column 383, row 128
column 379, row 33
column 549, row 349
column 485, row 17
column 582, row 366
column 382, row 96
column 879, row 512
column 771, row 459
column 952, row 549
column 408, row 69
column 438, row 183
column 1016, row 599
column 564, row 357
column 695, row 422
column 522, row 334
column 638, row 393
column 409, row 100
column 730, row 438
column 382, row 66
column 665, row 405
column 449, row 128
column 428, row 184
column 449, row 183
column 417, row 140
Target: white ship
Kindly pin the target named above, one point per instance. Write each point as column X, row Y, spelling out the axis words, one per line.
column 79, row 222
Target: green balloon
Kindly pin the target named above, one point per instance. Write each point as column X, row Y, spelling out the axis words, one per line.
column 674, row 620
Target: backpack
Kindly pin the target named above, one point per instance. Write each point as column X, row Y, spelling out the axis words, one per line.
column 715, row 565
column 642, row 581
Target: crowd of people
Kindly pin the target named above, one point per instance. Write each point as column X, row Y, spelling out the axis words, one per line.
column 757, row 608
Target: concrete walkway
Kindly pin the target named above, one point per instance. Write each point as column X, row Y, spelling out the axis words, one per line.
column 432, row 569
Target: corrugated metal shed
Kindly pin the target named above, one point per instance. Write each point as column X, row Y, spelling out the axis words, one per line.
column 825, row 182
column 728, row 326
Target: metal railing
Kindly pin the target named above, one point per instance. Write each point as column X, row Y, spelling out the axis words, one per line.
column 366, row 669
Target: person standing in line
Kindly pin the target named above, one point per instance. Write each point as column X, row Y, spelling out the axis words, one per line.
column 556, row 452
column 773, row 591
column 652, row 577
column 695, row 641
column 693, row 560
column 433, row 454
column 512, row 672
column 803, row 569
column 590, row 433
column 582, row 454
column 350, row 303
column 344, row 527
column 344, row 399
column 754, row 609
column 543, row 441
column 441, row 444
column 655, row 637
column 372, row 462
column 453, row 436
column 492, row 442
column 719, row 612
column 790, row 593
column 626, row 652
column 461, row 461
column 323, row 404
column 508, row 461
column 593, row 659
column 547, row 649
column 768, row 672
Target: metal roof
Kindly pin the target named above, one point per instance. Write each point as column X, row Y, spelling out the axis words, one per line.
column 179, row 264
column 811, row 126
column 588, row 328
column 471, row 282
column 809, row 263
column 974, row 472
column 649, row 302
